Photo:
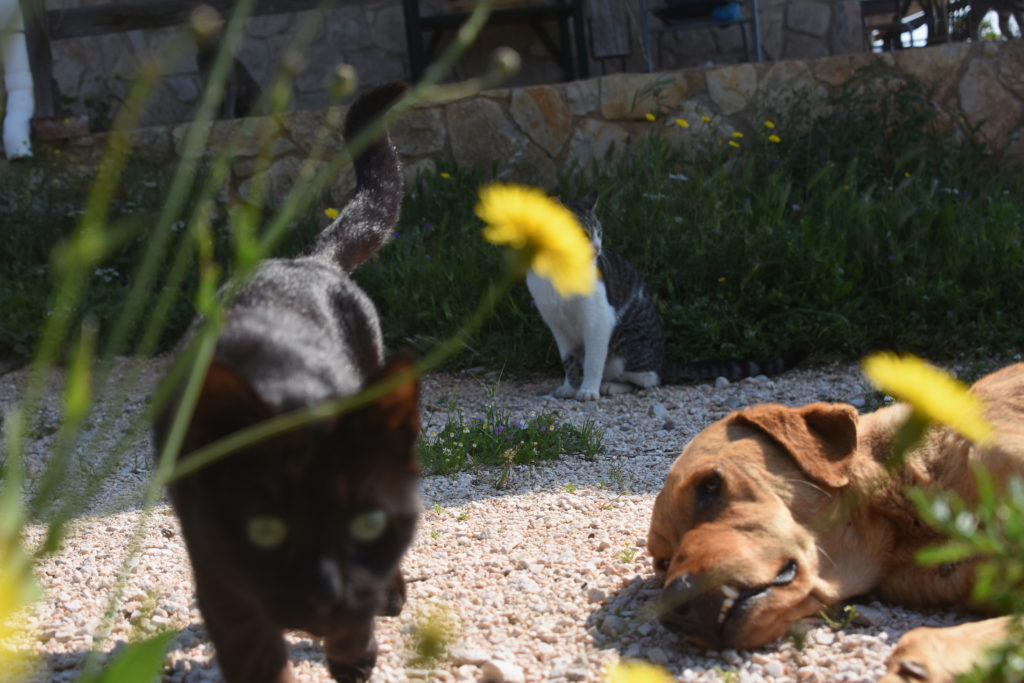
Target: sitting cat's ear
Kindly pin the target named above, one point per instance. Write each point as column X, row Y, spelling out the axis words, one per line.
column 589, row 202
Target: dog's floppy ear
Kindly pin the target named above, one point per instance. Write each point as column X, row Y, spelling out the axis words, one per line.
column 821, row 437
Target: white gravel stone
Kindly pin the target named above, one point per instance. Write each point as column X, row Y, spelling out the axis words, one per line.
column 500, row 671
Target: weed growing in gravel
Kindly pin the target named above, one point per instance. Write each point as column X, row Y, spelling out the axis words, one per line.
column 841, row 621
column 627, row 554
column 430, row 635
column 495, row 439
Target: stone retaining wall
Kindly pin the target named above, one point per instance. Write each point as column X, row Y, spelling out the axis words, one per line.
column 94, row 73
column 531, row 133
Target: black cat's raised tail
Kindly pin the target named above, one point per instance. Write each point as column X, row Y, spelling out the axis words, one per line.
column 368, row 220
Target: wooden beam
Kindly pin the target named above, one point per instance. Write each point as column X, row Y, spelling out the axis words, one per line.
column 78, row 22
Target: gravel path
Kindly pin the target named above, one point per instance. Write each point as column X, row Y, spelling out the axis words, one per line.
column 547, row 579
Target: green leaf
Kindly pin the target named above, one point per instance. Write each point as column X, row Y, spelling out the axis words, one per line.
column 954, row 551
column 139, row 662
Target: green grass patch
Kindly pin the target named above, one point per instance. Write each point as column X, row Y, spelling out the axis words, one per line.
column 495, row 439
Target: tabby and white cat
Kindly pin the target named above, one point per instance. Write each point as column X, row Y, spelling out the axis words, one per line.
column 612, row 334
column 611, row 340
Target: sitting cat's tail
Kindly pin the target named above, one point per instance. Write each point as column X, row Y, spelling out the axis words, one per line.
column 367, row 221
column 729, row 368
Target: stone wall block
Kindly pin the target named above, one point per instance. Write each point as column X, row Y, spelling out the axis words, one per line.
column 421, row 132
column 772, row 33
column 811, row 18
column 542, row 115
column 633, row 96
column 847, row 32
column 307, row 129
column 785, row 81
column 835, row 71
column 480, row 133
column 800, row 46
column 987, row 104
column 346, row 29
column 1011, row 73
column 593, row 139
column 583, row 97
column 388, row 28
column 937, row 67
column 732, row 88
column 272, row 24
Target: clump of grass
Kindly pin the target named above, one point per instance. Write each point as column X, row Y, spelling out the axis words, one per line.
column 495, row 439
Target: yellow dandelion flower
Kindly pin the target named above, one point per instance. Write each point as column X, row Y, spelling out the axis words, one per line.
column 769, row 124
column 682, row 123
column 446, row 175
column 906, row 174
column 721, row 279
column 636, row 672
column 331, row 212
column 846, row 188
column 774, row 138
column 932, row 395
column 733, row 143
column 649, row 116
column 736, row 134
column 705, row 118
column 548, row 235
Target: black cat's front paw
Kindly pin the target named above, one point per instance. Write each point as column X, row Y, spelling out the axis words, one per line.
column 352, row 655
column 395, row 600
column 358, row 672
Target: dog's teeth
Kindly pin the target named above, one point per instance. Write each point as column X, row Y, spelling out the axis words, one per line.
column 730, row 592
column 724, row 610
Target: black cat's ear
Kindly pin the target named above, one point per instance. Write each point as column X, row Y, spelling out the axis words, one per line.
column 392, row 422
column 397, row 410
column 227, row 403
column 224, row 390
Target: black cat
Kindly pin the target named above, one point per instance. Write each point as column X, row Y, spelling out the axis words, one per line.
column 306, row 530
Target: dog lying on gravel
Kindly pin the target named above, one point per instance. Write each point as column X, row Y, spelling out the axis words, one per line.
column 775, row 513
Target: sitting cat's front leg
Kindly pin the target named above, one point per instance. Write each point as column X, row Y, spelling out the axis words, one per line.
column 572, row 367
column 597, row 335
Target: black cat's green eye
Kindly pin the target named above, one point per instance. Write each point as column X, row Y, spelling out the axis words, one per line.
column 266, row 531
column 369, row 526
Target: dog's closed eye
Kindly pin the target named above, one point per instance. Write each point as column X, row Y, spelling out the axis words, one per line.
column 709, row 491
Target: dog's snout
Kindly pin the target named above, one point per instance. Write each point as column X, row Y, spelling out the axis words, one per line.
column 690, row 611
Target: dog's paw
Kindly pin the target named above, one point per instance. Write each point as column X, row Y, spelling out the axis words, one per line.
column 938, row 655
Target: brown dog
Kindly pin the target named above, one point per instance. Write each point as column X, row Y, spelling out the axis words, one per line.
column 775, row 513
